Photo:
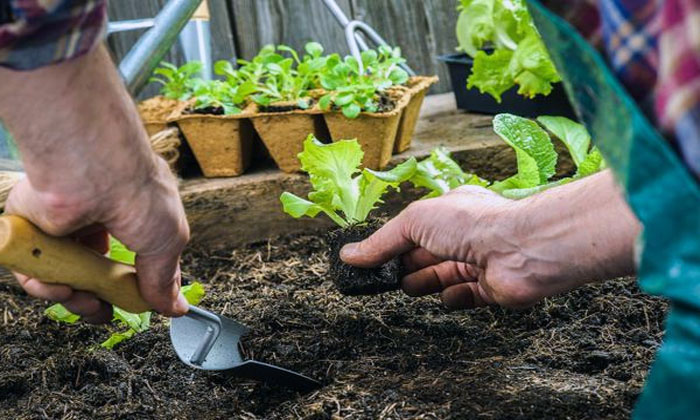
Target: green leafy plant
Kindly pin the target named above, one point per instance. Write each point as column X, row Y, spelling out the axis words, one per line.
column 278, row 78
column 215, row 94
column 341, row 190
column 518, row 54
column 177, row 82
column 535, row 155
column 355, row 86
column 129, row 323
column 439, row 173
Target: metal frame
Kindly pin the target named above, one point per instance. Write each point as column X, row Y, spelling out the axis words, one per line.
column 355, row 41
column 172, row 21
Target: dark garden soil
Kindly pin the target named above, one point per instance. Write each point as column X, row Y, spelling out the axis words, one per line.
column 583, row 355
column 209, row 110
column 354, row 281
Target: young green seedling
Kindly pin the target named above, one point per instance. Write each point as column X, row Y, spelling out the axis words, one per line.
column 134, row 323
column 215, row 94
column 341, row 190
column 177, row 83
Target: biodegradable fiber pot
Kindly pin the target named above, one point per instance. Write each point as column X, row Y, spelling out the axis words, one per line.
column 221, row 144
column 155, row 112
column 418, row 87
column 283, row 132
column 354, row 281
column 375, row 131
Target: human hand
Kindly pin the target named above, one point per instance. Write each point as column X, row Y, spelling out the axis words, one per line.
column 90, row 170
column 477, row 248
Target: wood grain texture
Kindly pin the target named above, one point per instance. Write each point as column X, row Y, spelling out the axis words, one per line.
column 291, row 22
column 424, row 29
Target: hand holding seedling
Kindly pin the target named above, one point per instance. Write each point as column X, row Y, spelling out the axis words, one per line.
column 90, row 170
column 476, row 248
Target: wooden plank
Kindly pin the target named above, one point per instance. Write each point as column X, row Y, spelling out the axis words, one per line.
column 233, row 211
column 291, row 22
column 423, row 29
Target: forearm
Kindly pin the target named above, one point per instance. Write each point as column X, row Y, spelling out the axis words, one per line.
column 578, row 233
column 74, row 121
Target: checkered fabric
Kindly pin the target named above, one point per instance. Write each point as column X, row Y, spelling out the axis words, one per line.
column 654, row 48
column 34, row 33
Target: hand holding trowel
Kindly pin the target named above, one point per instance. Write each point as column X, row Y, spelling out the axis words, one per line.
column 201, row 339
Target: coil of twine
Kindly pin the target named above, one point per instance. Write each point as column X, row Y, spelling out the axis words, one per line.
column 165, row 143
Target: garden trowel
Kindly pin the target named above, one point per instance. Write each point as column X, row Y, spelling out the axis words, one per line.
column 201, row 339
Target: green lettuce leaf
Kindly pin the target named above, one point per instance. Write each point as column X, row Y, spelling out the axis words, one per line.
column 519, row 57
column 535, row 154
column 490, row 73
column 574, row 136
column 532, row 68
column 373, row 185
column 518, row 193
column 475, row 25
column 593, row 163
column 340, row 189
column 194, row 293
column 59, row 313
column 439, row 173
column 119, row 252
column 117, row 338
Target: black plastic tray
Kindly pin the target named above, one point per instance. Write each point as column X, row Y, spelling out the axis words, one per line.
column 460, row 67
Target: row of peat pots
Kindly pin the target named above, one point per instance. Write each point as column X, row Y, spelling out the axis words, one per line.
column 223, row 144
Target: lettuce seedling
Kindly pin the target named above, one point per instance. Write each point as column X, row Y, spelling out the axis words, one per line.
column 177, row 83
column 134, row 323
column 278, row 78
column 341, row 190
column 519, row 56
column 439, row 173
column 215, row 94
column 535, row 154
column 354, row 86
column 577, row 141
column 536, row 158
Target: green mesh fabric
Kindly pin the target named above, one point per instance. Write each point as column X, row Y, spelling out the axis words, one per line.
column 664, row 196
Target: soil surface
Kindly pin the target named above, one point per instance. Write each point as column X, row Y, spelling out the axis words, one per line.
column 354, row 281
column 582, row 355
column 209, row 110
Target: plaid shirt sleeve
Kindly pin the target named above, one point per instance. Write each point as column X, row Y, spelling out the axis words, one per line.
column 678, row 85
column 35, row 33
column 654, row 48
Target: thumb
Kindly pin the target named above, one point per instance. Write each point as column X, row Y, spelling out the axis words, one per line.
column 389, row 241
column 159, row 283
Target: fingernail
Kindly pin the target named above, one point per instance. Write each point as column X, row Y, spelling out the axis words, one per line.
column 181, row 305
column 348, row 251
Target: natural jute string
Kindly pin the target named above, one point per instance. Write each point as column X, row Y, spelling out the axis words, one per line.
column 165, row 143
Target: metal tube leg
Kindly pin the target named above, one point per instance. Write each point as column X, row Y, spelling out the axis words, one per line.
column 195, row 40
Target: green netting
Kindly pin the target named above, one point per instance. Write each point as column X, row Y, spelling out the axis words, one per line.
column 664, row 196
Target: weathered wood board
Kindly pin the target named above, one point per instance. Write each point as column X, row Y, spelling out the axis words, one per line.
column 232, row 211
column 294, row 23
column 423, row 29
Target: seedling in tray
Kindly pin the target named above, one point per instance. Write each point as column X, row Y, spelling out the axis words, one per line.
column 177, row 82
column 347, row 195
column 355, row 87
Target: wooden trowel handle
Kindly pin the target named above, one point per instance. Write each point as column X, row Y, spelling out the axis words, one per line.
column 27, row 250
